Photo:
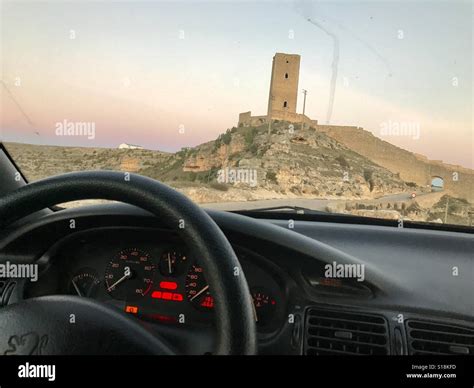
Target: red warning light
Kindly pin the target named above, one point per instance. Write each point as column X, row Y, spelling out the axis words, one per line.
column 131, row 309
column 164, row 295
column 177, row 297
column 169, row 285
column 208, row 302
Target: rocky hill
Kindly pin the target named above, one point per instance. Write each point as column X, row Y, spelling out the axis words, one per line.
column 288, row 163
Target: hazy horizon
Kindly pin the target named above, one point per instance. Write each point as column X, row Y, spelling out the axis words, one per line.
column 159, row 76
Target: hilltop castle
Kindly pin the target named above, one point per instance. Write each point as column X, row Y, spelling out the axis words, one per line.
column 410, row 167
column 283, row 94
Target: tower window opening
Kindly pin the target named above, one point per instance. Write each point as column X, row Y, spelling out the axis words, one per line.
column 285, row 104
column 286, row 75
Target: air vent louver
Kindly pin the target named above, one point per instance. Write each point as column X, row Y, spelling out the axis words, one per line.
column 333, row 332
column 439, row 338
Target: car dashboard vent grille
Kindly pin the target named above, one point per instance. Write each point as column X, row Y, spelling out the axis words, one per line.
column 439, row 338
column 333, row 332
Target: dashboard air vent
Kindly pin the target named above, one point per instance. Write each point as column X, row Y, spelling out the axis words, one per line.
column 439, row 338
column 332, row 332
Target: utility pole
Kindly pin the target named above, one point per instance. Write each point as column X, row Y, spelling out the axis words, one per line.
column 304, row 106
column 269, row 118
column 304, row 99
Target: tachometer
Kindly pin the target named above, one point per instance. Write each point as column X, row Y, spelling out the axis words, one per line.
column 197, row 289
column 129, row 274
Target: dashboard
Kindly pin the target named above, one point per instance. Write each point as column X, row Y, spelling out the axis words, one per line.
column 151, row 274
column 408, row 302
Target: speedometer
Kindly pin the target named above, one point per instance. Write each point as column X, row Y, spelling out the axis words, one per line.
column 197, row 289
column 129, row 274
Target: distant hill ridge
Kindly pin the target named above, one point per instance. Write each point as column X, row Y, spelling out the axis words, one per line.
column 320, row 162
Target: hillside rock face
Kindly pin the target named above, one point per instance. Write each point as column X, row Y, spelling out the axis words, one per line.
column 291, row 161
column 241, row 164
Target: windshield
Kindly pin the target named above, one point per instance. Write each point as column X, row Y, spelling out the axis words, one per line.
column 360, row 108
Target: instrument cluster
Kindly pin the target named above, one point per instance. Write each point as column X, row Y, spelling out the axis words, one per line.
column 164, row 282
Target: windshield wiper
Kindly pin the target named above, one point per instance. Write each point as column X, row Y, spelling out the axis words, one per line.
column 296, row 209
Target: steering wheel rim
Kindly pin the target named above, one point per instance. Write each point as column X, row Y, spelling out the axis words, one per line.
column 235, row 322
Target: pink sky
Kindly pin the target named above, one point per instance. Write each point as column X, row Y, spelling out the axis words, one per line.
column 128, row 71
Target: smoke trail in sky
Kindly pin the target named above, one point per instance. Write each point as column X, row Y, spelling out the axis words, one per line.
column 10, row 94
column 372, row 49
column 335, row 64
column 306, row 9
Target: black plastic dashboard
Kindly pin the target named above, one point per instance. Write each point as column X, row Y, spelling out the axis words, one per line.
column 167, row 283
column 415, row 297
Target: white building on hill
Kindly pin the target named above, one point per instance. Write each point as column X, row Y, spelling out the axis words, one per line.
column 130, row 146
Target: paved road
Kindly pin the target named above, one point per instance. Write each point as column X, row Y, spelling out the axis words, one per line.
column 314, row 204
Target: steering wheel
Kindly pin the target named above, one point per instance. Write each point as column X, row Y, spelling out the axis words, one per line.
column 73, row 325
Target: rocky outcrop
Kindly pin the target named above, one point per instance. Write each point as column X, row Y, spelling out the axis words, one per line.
column 302, row 162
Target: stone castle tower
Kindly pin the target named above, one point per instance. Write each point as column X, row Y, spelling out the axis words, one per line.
column 283, row 94
column 284, row 84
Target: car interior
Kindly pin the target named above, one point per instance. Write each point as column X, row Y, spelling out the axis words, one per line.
column 227, row 190
column 216, row 282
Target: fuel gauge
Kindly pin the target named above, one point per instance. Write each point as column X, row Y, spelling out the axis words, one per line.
column 264, row 304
